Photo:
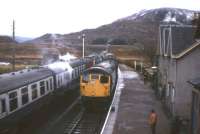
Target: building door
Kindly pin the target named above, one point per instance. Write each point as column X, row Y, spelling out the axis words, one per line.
column 3, row 110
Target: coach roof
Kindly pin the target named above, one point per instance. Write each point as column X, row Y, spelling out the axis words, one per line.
column 21, row 78
column 106, row 67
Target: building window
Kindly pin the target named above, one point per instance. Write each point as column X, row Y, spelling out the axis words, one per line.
column 24, row 93
column 42, row 88
column 34, row 91
column 13, row 101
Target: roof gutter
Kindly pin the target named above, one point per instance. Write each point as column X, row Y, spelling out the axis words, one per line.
column 186, row 51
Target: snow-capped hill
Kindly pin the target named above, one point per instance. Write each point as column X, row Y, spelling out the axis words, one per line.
column 136, row 15
column 139, row 28
column 48, row 39
column 182, row 16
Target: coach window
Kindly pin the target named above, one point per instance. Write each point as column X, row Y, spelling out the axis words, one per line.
column 2, row 106
column 57, row 81
column 77, row 72
column 60, row 80
column 24, row 93
column 42, row 88
column 47, row 85
column 51, row 84
column 65, row 76
column 104, row 79
column 72, row 74
column 34, row 91
column 13, row 101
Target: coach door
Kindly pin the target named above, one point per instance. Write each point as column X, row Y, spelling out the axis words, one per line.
column 3, row 110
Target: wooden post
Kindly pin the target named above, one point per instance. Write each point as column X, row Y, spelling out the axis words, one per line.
column 141, row 66
column 135, row 65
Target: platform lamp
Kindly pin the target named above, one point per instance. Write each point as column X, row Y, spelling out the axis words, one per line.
column 83, row 39
column 13, row 49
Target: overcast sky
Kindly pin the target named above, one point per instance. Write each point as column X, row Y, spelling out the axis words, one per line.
column 37, row 17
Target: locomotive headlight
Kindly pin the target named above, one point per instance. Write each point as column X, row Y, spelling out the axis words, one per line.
column 83, row 87
column 105, row 86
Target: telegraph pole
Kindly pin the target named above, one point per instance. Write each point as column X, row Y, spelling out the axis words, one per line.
column 13, row 54
column 83, row 38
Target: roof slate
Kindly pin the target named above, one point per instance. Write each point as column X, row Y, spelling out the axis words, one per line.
column 11, row 81
column 182, row 37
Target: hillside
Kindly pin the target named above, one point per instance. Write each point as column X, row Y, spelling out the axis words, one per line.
column 6, row 39
column 139, row 29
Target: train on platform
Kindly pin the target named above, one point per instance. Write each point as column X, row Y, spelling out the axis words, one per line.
column 23, row 91
column 98, row 83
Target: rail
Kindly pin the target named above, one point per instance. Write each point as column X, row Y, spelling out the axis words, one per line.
column 76, row 121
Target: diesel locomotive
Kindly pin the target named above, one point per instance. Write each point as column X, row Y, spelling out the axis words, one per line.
column 97, row 83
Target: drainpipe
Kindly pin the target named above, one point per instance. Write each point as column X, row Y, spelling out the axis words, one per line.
column 175, row 87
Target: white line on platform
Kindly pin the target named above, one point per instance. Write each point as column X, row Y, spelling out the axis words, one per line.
column 120, row 84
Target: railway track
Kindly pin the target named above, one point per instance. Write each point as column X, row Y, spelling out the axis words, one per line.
column 36, row 122
column 86, row 123
column 76, row 120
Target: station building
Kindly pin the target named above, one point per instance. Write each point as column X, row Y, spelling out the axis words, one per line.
column 178, row 62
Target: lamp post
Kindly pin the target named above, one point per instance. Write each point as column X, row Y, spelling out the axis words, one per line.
column 108, row 48
column 155, row 79
column 83, row 38
column 13, row 49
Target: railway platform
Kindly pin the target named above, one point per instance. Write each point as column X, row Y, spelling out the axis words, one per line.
column 132, row 103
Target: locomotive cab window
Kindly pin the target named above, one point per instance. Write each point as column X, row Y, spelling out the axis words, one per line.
column 104, row 79
column 13, row 101
column 94, row 76
column 85, row 78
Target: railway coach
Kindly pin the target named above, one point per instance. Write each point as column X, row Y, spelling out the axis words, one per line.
column 26, row 90
column 23, row 91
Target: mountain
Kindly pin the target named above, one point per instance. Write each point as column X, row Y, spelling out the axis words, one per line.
column 179, row 16
column 47, row 39
column 22, row 39
column 139, row 29
column 6, row 39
